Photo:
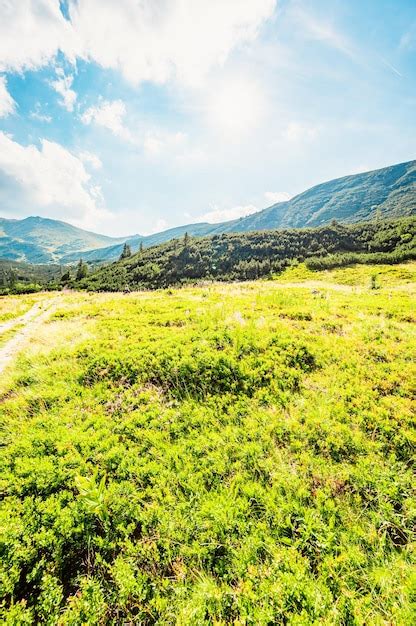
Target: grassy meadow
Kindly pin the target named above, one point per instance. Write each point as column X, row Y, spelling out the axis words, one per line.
column 224, row 454
column 12, row 307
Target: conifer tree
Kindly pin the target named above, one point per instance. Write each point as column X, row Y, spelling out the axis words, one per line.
column 126, row 252
column 82, row 270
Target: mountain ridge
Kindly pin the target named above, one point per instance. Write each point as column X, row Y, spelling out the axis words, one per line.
column 45, row 240
column 278, row 216
column 387, row 192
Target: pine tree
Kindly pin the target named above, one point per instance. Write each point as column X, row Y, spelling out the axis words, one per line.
column 141, row 247
column 186, row 240
column 126, row 252
column 82, row 270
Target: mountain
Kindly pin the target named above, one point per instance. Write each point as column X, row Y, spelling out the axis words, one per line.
column 387, row 193
column 42, row 240
column 242, row 256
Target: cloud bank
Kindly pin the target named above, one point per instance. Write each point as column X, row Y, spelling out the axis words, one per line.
column 151, row 40
column 52, row 176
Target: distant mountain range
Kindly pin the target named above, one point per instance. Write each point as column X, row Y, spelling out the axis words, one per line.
column 42, row 240
column 387, row 192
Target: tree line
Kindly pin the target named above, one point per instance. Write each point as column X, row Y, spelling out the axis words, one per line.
column 247, row 256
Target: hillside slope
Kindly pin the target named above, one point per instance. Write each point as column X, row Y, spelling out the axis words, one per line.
column 242, row 256
column 22, row 274
column 42, row 240
column 389, row 192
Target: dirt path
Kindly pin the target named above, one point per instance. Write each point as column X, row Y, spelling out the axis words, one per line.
column 22, row 319
column 31, row 320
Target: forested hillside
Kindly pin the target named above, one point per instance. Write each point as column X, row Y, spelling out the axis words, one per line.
column 389, row 192
column 18, row 277
column 113, row 252
column 246, row 256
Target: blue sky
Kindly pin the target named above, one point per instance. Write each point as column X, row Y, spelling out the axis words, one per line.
column 134, row 116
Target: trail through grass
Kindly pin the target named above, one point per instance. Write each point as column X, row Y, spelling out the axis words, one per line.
column 22, row 326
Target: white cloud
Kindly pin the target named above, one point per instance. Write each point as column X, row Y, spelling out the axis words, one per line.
column 216, row 215
column 155, row 142
column 7, row 104
column 62, row 86
column 88, row 158
column 223, row 215
column 51, row 177
column 148, row 40
column 408, row 39
column 31, row 33
column 158, row 227
column 156, row 40
column 38, row 115
column 109, row 115
column 276, row 196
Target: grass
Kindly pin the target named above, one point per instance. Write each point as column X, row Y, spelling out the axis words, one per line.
column 235, row 454
column 358, row 275
column 9, row 333
column 15, row 306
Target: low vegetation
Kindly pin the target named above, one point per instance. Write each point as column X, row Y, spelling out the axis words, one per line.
column 17, row 277
column 248, row 256
column 225, row 454
column 15, row 306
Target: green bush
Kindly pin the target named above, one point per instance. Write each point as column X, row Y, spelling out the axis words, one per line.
column 253, row 255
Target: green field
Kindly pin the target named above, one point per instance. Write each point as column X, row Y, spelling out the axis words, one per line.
column 225, row 454
column 12, row 307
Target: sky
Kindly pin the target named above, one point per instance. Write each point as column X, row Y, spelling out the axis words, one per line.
column 133, row 116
